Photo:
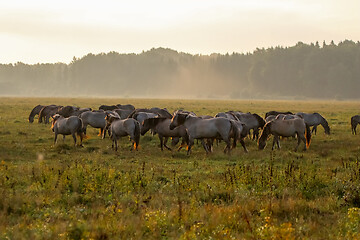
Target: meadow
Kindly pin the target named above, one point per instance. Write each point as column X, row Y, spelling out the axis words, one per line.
column 67, row 192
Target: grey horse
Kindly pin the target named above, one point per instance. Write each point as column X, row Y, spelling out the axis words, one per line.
column 355, row 120
column 67, row 126
column 36, row 110
column 275, row 113
column 315, row 119
column 162, row 127
column 198, row 128
column 286, row 128
column 47, row 112
column 123, row 127
column 94, row 119
column 252, row 121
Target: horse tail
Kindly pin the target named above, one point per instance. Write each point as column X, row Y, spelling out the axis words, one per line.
column 80, row 131
column 308, row 135
column 136, row 135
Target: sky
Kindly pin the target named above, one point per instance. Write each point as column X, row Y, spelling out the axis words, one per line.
column 42, row 31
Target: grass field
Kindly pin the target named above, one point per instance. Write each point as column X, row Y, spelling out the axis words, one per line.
column 67, row 192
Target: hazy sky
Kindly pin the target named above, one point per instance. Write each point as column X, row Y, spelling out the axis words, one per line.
column 35, row 31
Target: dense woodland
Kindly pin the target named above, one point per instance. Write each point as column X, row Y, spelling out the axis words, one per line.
column 316, row 70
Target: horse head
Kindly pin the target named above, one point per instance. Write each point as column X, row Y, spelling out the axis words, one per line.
column 178, row 120
column 55, row 118
column 264, row 135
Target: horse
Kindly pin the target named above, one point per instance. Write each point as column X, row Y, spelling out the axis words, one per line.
column 162, row 112
column 123, row 113
column 108, row 107
column 162, row 127
column 94, row 119
column 355, row 120
column 228, row 115
column 198, row 128
column 67, row 126
column 48, row 111
column 286, row 128
column 286, row 116
column 141, row 116
column 36, row 110
column 121, row 128
column 125, row 107
column 275, row 113
column 67, row 111
column 314, row 119
column 251, row 120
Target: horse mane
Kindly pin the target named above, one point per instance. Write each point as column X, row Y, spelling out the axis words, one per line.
column 260, row 120
column 266, row 130
column 35, row 111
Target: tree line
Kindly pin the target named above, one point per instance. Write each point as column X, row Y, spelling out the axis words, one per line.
column 296, row 72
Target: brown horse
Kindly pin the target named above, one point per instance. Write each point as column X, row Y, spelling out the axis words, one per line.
column 286, row 128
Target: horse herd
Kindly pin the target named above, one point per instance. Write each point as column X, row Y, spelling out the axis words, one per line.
column 231, row 127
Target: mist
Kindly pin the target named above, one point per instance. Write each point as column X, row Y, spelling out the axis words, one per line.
column 318, row 71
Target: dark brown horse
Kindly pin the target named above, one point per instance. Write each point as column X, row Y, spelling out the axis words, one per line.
column 355, row 120
column 36, row 110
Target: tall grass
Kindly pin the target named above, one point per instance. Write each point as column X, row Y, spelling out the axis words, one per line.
column 67, row 192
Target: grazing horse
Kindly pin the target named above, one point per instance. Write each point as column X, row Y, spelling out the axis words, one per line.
column 164, row 113
column 67, row 126
column 46, row 112
column 198, row 128
column 123, row 113
column 123, row 127
column 252, row 121
column 67, row 111
column 36, row 110
column 275, row 113
column 162, row 127
column 315, row 119
column 355, row 120
column 125, row 107
column 228, row 115
column 94, row 119
column 286, row 128
column 108, row 107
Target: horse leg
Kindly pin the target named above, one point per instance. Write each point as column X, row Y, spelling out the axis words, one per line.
column 55, row 138
column 74, row 137
column 274, row 141
column 183, row 143
column 161, row 142
column 228, row 146
column 314, row 129
column 204, row 145
column 116, row 144
column 191, row 142
column 355, row 129
column 278, row 142
column 243, row 145
column 63, row 139
column 165, row 141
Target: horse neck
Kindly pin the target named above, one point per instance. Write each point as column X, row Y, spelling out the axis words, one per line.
column 324, row 123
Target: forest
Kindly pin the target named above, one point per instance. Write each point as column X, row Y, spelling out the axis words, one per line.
column 303, row 71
